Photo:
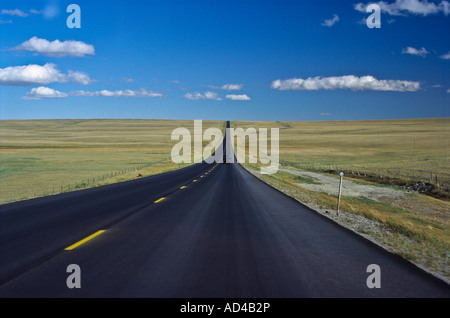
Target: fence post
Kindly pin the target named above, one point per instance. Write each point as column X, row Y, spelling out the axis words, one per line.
column 340, row 191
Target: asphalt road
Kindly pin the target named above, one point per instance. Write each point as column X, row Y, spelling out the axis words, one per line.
column 225, row 235
column 33, row 231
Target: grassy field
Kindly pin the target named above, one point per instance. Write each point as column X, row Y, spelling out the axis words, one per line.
column 413, row 225
column 405, row 148
column 39, row 157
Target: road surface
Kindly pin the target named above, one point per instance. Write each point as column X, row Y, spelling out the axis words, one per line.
column 203, row 231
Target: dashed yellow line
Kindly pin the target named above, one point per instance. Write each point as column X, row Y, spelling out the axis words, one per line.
column 159, row 200
column 71, row 247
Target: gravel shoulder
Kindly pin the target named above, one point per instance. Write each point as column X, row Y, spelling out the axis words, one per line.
column 329, row 185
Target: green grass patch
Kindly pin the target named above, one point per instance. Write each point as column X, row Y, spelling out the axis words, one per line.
column 296, row 178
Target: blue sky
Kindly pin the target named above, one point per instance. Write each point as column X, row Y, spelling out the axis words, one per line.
column 225, row 60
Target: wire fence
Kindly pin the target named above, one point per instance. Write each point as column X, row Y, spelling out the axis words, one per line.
column 87, row 182
column 440, row 180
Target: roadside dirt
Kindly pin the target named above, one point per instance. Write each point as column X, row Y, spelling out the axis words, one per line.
column 402, row 198
column 330, row 185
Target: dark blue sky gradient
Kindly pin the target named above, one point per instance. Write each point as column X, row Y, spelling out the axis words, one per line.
column 212, row 43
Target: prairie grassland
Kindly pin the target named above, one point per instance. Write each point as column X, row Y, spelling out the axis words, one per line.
column 413, row 147
column 40, row 157
column 413, row 225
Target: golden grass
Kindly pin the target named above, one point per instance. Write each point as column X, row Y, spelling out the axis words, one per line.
column 415, row 226
column 40, row 157
column 411, row 147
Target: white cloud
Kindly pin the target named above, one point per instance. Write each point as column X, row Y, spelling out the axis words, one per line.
column 46, row 92
column 43, row 92
column 199, row 96
column 227, row 87
column 362, row 21
column 238, row 97
column 15, row 12
column 56, row 48
column 33, row 11
column 119, row 93
column 36, row 74
column 345, row 82
column 332, row 21
column 325, row 114
column 232, row 87
column 406, row 7
column 448, row 90
column 413, row 51
column 52, row 10
column 211, row 86
column 5, row 21
column 194, row 96
column 78, row 77
column 445, row 56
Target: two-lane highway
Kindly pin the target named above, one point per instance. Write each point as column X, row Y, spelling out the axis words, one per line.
column 225, row 235
column 33, row 231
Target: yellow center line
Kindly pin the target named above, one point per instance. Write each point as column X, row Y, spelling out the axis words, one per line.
column 71, row 247
column 183, row 187
column 159, row 200
column 194, row 181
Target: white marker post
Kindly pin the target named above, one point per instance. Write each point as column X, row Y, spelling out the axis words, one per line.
column 340, row 191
